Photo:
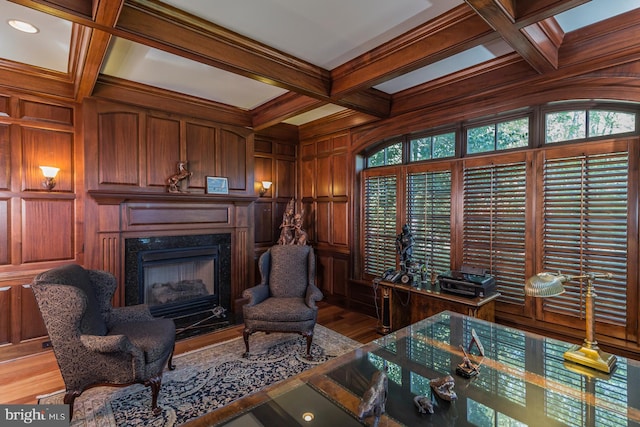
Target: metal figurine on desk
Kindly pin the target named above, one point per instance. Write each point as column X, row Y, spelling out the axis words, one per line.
column 410, row 271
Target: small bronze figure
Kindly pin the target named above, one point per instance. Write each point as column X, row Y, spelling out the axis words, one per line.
column 174, row 181
column 424, row 404
column 375, row 397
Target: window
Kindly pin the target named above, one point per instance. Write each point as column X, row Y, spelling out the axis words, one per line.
column 498, row 136
column 585, row 230
column 391, row 155
column 429, row 218
column 521, row 208
column 494, row 225
column 379, row 224
column 581, row 124
column 432, row 147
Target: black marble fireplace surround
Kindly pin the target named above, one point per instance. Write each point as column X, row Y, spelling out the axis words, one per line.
column 186, row 312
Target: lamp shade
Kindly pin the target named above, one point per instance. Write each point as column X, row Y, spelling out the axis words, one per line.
column 545, row 285
column 49, row 171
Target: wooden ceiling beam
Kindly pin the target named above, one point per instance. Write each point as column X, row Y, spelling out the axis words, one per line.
column 180, row 33
column 527, row 12
column 88, row 63
column 282, row 108
column 457, row 30
column 533, row 43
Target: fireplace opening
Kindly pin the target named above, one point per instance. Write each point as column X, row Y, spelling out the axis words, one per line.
column 177, row 280
column 186, row 278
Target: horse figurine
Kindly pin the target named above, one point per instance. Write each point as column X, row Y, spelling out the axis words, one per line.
column 175, row 180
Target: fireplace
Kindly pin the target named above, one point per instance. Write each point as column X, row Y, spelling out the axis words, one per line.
column 186, row 278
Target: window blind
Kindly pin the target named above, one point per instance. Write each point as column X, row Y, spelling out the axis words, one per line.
column 379, row 224
column 494, row 225
column 429, row 219
column 585, row 230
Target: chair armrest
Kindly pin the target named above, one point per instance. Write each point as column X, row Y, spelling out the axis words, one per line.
column 130, row 313
column 256, row 294
column 313, row 294
column 107, row 343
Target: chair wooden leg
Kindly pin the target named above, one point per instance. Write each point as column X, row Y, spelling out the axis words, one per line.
column 155, row 383
column 170, row 364
column 69, row 399
column 245, row 335
column 309, row 336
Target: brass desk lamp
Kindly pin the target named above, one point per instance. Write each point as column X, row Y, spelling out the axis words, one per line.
column 551, row 284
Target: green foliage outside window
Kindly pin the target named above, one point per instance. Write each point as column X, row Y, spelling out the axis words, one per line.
column 433, row 147
column 572, row 125
column 391, row 155
column 603, row 122
column 566, row 126
column 498, row 136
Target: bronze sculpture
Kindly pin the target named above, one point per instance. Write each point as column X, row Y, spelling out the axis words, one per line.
column 175, row 180
column 374, row 398
column 291, row 231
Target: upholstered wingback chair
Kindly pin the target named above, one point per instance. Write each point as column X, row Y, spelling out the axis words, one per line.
column 285, row 299
column 95, row 343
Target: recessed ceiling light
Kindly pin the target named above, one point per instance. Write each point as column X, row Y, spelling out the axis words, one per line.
column 25, row 27
column 308, row 416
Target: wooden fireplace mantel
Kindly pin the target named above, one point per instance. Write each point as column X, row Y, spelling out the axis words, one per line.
column 110, row 197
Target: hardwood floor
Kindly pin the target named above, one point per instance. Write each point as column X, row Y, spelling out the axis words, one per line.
column 22, row 380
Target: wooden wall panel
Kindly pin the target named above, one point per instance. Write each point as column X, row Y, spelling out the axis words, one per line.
column 233, row 149
column 32, row 325
column 323, row 188
column 5, row 157
column 163, row 150
column 340, row 223
column 307, row 176
column 47, row 112
column 5, row 314
column 4, row 105
column 5, row 228
column 47, row 230
column 340, row 172
column 263, row 167
column 340, row 276
column 46, row 148
column 323, row 222
column 324, row 274
column 264, row 232
column 201, row 153
column 286, row 178
column 118, row 144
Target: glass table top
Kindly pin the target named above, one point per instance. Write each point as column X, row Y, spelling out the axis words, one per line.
column 523, row 380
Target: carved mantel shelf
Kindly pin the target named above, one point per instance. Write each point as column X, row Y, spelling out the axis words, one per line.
column 110, row 197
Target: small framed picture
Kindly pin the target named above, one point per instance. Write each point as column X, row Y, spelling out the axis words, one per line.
column 217, row 185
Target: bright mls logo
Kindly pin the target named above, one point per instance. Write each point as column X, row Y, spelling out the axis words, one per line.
column 34, row 415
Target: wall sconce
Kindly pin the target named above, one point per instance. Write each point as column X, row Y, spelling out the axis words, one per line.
column 49, row 173
column 266, row 185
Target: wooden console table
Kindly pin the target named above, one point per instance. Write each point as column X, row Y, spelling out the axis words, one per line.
column 404, row 305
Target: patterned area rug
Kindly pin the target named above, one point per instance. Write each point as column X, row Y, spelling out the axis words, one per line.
column 206, row 379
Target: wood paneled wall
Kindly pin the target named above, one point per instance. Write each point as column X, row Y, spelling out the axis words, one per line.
column 114, row 159
column 325, row 183
column 275, row 161
column 38, row 228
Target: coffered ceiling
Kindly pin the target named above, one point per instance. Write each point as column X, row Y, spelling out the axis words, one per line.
column 291, row 61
